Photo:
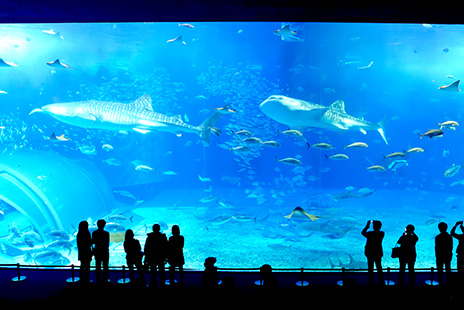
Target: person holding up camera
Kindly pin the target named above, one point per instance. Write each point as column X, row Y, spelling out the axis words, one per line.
column 408, row 254
column 460, row 248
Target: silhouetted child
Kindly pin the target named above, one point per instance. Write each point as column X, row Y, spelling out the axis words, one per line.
column 373, row 250
column 270, row 282
column 408, row 254
column 155, row 251
column 443, row 252
column 84, row 250
column 176, row 254
column 210, row 279
column 101, row 242
column 134, row 255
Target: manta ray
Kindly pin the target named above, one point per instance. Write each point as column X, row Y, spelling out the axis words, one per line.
column 301, row 114
column 137, row 115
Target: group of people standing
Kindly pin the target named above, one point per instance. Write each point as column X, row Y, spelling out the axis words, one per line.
column 405, row 251
column 158, row 251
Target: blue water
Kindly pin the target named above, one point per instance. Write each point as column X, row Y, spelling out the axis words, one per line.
column 390, row 71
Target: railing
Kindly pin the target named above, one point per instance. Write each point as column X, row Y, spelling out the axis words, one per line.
column 303, row 272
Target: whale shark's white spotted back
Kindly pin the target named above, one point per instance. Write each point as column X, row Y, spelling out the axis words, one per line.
column 137, row 115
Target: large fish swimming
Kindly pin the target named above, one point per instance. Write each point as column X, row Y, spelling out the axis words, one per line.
column 137, row 115
column 302, row 114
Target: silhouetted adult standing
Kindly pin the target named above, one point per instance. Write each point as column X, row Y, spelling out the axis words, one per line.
column 134, row 255
column 155, row 255
column 443, row 252
column 408, row 254
column 459, row 249
column 101, row 242
column 176, row 254
column 373, row 250
column 84, row 250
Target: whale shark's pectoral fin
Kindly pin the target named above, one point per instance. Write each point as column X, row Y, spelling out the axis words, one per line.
column 36, row 110
column 143, row 131
column 318, row 113
column 340, row 126
column 89, row 117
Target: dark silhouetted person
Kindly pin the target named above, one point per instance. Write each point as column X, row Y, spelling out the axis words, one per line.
column 210, row 278
column 373, row 250
column 269, row 280
column 408, row 255
column 443, row 252
column 84, row 250
column 101, row 242
column 459, row 249
column 134, row 255
column 176, row 255
column 155, row 255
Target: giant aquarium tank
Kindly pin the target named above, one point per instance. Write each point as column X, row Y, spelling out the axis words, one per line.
column 264, row 142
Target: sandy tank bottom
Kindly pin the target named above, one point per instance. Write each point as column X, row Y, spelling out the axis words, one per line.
column 264, row 236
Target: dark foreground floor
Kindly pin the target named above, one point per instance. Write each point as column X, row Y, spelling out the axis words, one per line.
column 195, row 297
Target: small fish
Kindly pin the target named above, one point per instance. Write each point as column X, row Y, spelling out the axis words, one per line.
column 251, row 141
column 321, row 146
column 376, row 168
column 144, row 168
column 355, row 145
column 454, row 87
column 58, row 138
column 366, row 67
column 2, row 92
column 177, row 40
column 125, row 194
column 432, row 133
column 299, row 212
column 394, row 155
column 448, row 125
column 292, row 132
column 451, row 171
column 169, row 172
column 271, row 143
column 209, row 198
column 186, row 25
column 289, row 161
column 113, row 162
column 240, row 148
column 202, row 179
column 243, row 132
column 4, row 63
column 337, row 157
column 107, row 147
column 119, row 217
column 57, row 63
column 53, row 33
column 415, row 150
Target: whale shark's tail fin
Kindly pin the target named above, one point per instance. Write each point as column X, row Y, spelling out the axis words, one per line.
column 381, row 125
column 205, row 128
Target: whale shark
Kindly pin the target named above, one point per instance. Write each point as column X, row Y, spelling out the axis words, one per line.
column 137, row 115
column 301, row 114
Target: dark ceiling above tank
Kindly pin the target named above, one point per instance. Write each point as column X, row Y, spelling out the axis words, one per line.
column 52, row 11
